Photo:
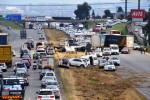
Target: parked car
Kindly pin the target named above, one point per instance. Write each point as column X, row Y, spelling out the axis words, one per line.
column 102, row 63
column 78, row 62
column 45, row 94
column 64, row 63
column 55, row 89
column 3, row 67
column 125, row 50
column 116, row 60
column 136, row 47
column 98, row 53
column 109, row 66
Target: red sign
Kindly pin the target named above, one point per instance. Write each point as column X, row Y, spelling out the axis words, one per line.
column 135, row 13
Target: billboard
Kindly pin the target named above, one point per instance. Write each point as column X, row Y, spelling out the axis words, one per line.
column 13, row 17
column 136, row 13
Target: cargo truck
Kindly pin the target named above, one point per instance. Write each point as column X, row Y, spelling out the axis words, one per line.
column 48, row 62
column 23, row 34
column 3, row 38
column 107, row 40
column 6, row 55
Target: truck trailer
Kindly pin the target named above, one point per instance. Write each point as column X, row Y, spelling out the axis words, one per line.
column 6, row 55
column 3, row 38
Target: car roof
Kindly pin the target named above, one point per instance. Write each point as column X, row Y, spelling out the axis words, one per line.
column 45, row 90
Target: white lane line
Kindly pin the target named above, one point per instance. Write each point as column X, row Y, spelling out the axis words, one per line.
column 148, row 97
column 29, row 98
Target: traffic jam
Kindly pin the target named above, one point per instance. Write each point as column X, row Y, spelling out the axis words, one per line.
column 13, row 87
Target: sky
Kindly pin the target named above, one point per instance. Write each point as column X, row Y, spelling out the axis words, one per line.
column 52, row 1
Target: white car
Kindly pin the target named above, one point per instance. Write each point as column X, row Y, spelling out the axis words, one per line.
column 55, row 89
column 13, row 53
column 41, row 37
column 116, row 60
column 109, row 66
column 47, row 79
column 102, row 63
column 78, row 62
column 50, row 73
column 3, row 67
column 106, row 51
column 21, row 70
column 98, row 53
column 46, row 94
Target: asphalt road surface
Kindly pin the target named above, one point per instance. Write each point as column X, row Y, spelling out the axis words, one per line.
column 138, row 66
column 16, row 42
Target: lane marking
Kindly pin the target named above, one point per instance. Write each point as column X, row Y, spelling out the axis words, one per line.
column 148, row 97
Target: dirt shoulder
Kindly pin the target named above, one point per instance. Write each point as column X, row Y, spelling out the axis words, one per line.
column 92, row 83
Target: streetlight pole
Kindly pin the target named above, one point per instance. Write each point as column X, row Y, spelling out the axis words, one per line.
column 125, row 8
column 139, row 2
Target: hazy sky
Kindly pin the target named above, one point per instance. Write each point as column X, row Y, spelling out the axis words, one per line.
column 52, row 1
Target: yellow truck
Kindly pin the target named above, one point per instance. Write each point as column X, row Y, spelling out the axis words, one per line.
column 6, row 55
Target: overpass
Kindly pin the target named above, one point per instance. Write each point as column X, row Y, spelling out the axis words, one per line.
column 61, row 21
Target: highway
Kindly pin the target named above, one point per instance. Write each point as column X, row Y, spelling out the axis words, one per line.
column 16, row 42
column 136, row 67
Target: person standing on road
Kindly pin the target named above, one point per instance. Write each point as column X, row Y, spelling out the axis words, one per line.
column 144, row 50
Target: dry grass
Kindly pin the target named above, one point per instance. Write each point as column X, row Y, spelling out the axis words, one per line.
column 54, row 36
column 93, row 83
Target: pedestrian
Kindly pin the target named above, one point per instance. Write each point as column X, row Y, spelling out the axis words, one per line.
column 144, row 50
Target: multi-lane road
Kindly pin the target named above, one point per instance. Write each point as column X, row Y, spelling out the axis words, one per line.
column 16, row 42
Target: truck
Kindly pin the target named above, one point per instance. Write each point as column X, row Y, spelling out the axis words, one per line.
column 106, row 40
column 6, row 55
column 3, row 38
column 120, row 40
column 48, row 62
column 23, row 34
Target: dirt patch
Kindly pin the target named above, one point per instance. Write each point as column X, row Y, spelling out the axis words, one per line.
column 93, row 83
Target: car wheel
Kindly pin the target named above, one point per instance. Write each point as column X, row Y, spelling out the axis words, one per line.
column 82, row 66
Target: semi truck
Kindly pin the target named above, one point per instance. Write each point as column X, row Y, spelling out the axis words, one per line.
column 3, row 38
column 6, row 55
column 106, row 40
column 23, row 34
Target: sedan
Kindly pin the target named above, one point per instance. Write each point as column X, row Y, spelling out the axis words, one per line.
column 45, row 94
column 55, row 89
column 47, row 79
column 116, row 61
column 109, row 66
column 3, row 67
column 78, row 62
column 102, row 63
column 125, row 50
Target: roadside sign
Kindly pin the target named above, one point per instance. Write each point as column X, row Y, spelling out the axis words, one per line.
column 13, row 17
column 135, row 13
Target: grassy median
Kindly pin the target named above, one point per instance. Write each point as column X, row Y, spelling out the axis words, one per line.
column 11, row 24
column 91, row 83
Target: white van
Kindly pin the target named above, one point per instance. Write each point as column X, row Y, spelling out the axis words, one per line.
column 114, row 49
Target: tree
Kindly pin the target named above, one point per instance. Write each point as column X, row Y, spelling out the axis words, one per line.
column 83, row 11
column 93, row 14
column 147, row 31
column 120, row 9
column 149, row 8
column 107, row 13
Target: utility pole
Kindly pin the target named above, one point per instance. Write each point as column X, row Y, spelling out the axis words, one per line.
column 125, row 8
column 139, row 2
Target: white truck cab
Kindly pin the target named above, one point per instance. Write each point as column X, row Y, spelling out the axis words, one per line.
column 114, row 49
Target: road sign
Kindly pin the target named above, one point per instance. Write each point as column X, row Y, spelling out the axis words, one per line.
column 13, row 17
column 137, row 15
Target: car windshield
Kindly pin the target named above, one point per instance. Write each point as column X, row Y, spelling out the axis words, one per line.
column 114, row 47
column 45, row 93
column 52, row 83
column 20, row 65
column 49, row 74
column 109, row 63
column 114, row 58
column 1, row 64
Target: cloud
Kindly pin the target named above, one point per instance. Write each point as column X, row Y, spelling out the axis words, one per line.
column 14, row 9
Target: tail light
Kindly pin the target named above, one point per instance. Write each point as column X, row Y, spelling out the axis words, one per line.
column 52, row 96
column 40, row 97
